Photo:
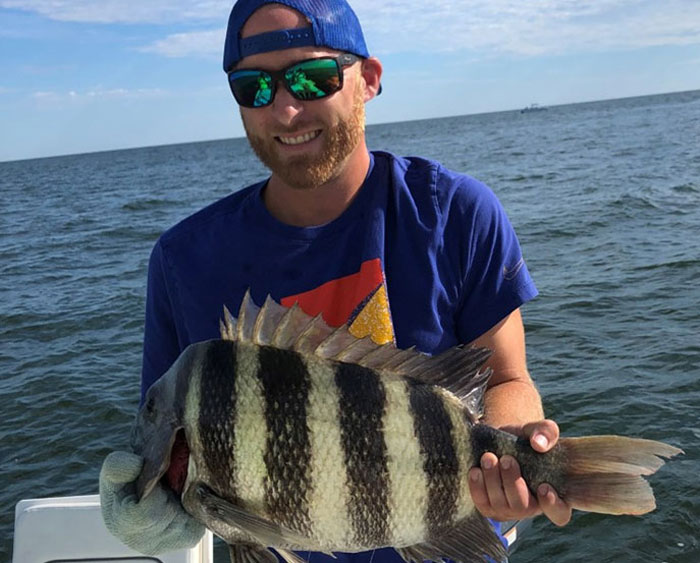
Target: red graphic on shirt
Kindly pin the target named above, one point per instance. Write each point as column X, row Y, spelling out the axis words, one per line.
column 360, row 300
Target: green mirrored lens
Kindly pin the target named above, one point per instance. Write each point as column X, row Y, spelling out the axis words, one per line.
column 313, row 79
column 306, row 80
column 251, row 88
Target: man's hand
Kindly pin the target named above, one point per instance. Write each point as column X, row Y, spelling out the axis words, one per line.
column 499, row 492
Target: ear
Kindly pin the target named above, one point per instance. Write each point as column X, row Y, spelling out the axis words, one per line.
column 372, row 75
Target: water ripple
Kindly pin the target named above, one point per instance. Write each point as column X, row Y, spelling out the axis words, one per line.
column 604, row 197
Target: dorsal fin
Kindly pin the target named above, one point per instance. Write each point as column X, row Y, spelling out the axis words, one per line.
column 357, row 350
column 393, row 363
column 456, row 369
column 247, row 315
column 268, row 320
column 315, row 332
column 227, row 326
column 338, row 341
column 380, row 356
column 471, row 393
column 290, row 327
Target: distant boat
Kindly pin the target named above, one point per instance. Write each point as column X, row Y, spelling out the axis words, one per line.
column 533, row 107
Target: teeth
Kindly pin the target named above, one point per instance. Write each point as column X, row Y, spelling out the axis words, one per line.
column 300, row 139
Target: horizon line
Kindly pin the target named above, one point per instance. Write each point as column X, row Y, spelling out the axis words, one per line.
column 215, row 140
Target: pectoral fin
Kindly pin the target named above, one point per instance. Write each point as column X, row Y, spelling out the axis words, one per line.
column 265, row 532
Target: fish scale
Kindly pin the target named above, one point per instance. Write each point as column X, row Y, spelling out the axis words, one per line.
column 216, row 422
column 285, row 386
column 330, row 491
column 293, row 448
column 407, row 523
column 362, row 399
column 433, row 427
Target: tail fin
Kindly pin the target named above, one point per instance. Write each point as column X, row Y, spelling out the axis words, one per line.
column 603, row 473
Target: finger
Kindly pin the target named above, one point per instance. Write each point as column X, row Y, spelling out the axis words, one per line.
column 553, row 506
column 493, row 482
column 477, row 490
column 515, row 489
column 543, row 434
column 121, row 467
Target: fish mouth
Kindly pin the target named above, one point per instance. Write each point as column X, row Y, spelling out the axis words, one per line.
column 176, row 474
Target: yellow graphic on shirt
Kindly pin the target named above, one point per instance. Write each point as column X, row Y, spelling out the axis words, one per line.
column 374, row 319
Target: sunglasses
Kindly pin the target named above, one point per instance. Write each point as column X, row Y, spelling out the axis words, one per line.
column 311, row 79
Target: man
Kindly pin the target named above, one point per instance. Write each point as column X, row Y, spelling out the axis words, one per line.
column 398, row 249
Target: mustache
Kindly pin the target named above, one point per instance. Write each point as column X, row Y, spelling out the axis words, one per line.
column 282, row 130
column 297, row 129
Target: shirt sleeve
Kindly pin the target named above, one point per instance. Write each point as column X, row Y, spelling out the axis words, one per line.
column 495, row 279
column 160, row 344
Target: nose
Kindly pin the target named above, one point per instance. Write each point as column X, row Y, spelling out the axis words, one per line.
column 286, row 107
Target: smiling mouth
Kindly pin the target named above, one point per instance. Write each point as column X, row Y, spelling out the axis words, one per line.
column 299, row 139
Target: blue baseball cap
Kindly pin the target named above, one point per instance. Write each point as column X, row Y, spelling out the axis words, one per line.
column 333, row 25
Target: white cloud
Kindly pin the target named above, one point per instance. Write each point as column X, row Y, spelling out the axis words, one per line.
column 125, row 11
column 187, row 44
column 122, row 93
column 42, row 95
column 496, row 26
column 96, row 94
column 526, row 27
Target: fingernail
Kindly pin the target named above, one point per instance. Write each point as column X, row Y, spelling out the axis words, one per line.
column 506, row 463
column 542, row 490
column 541, row 440
column 475, row 476
column 487, row 463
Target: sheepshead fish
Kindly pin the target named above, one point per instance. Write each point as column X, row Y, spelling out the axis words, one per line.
column 290, row 434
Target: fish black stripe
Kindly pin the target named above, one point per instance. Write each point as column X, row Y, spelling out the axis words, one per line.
column 217, row 414
column 433, row 428
column 285, row 381
column 484, row 439
column 362, row 400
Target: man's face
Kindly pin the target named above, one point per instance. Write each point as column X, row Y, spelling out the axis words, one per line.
column 304, row 143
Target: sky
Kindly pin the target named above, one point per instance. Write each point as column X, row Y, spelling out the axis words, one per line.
column 89, row 75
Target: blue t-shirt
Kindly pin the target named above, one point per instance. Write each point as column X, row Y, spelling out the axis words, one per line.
column 423, row 256
column 431, row 252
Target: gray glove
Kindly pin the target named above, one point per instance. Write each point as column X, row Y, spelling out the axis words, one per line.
column 156, row 524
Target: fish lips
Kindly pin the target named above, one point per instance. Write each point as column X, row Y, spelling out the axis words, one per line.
column 156, row 452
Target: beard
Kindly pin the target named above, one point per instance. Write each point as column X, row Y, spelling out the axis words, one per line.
column 313, row 170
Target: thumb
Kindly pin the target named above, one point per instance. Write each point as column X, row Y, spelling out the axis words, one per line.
column 543, row 434
column 120, row 468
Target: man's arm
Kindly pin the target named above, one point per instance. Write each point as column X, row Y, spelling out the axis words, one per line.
column 512, row 403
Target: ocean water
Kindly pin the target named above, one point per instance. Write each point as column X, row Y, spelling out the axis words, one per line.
column 605, row 197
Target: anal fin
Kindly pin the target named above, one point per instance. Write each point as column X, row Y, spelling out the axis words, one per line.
column 469, row 541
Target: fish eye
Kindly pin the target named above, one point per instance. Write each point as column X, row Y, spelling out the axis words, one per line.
column 150, row 407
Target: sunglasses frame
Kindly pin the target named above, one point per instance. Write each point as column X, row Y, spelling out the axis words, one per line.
column 341, row 61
